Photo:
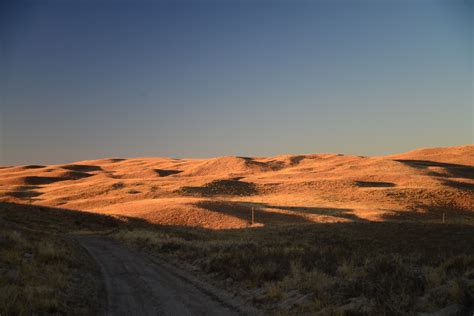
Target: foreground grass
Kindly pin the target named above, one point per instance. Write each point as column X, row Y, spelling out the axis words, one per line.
column 335, row 269
column 41, row 270
column 352, row 268
column 35, row 271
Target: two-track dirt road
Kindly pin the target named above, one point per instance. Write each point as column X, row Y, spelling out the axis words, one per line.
column 138, row 285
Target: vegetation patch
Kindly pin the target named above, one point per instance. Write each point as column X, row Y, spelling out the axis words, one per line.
column 222, row 187
column 34, row 273
column 165, row 173
column 82, row 168
column 345, row 268
column 374, row 184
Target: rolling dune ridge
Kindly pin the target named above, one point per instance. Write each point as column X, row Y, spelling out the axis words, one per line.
column 219, row 193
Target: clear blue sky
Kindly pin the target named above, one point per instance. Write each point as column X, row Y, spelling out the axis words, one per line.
column 90, row 79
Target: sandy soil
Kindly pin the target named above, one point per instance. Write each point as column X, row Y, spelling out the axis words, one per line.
column 219, row 193
column 136, row 285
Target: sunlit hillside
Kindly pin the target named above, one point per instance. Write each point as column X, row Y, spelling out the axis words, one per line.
column 219, row 193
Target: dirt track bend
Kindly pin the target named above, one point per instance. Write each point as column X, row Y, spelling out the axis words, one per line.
column 136, row 285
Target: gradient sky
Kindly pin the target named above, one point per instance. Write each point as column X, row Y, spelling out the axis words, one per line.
column 90, row 79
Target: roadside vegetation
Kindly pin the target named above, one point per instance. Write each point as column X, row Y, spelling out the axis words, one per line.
column 41, row 270
column 35, row 270
column 334, row 269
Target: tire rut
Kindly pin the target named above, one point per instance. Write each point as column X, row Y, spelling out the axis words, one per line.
column 138, row 285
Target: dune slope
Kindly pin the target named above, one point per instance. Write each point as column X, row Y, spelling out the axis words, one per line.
column 221, row 192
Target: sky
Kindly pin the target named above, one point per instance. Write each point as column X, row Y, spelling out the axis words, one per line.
column 91, row 79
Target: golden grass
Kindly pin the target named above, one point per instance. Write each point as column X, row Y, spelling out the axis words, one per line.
column 217, row 193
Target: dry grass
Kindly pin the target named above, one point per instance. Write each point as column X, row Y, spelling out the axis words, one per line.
column 222, row 187
column 307, row 188
column 34, row 270
column 333, row 268
column 41, row 271
column 365, row 268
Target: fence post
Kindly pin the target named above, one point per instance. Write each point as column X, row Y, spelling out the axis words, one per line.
column 253, row 215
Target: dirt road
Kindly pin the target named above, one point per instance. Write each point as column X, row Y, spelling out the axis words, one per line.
column 137, row 285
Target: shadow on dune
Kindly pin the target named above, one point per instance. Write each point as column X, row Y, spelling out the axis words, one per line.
column 401, row 236
column 51, row 219
column 269, row 165
column 82, row 168
column 342, row 213
column 166, row 172
column 27, row 187
column 24, row 194
column 453, row 170
column 296, row 160
column 459, row 185
column 222, row 187
column 38, row 180
column 374, row 184
column 33, row 167
column 243, row 211
column 114, row 160
column 60, row 219
column 432, row 214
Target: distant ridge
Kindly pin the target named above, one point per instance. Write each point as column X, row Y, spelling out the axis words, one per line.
column 287, row 189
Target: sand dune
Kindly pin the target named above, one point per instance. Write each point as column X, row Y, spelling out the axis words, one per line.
column 456, row 154
column 220, row 192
